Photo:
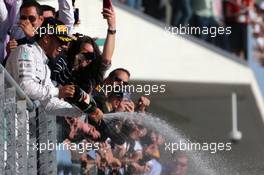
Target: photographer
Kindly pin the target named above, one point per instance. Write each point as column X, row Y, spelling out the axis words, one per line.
column 120, row 101
column 118, row 77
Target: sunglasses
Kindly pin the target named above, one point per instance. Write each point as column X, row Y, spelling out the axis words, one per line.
column 81, row 58
column 89, row 55
column 119, row 80
column 30, row 18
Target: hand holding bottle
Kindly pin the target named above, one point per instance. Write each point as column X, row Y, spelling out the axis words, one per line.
column 97, row 115
column 66, row 91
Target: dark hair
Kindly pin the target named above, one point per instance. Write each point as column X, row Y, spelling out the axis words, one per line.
column 128, row 127
column 48, row 8
column 76, row 46
column 32, row 3
column 89, row 76
column 113, row 74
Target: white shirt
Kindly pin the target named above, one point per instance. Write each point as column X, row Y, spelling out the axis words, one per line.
column 27, row 64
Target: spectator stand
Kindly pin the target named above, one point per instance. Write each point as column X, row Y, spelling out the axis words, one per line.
column 253, row 63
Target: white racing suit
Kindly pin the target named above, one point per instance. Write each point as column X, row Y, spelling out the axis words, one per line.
column 27, row 64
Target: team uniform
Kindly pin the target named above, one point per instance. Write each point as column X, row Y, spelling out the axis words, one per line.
column 27, row 64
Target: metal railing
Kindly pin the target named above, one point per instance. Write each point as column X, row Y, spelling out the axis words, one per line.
column 23, row 127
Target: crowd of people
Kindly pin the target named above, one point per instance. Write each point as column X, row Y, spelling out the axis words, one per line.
column 237, row 14
column 65, row 71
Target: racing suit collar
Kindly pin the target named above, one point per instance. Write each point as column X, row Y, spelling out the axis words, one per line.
column 44, row 57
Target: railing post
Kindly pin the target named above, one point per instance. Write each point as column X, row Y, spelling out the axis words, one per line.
column 52, row 137
column 32, row 152
column 22, row 140
column 47, row 135
column 2, row 129
column 10, row 111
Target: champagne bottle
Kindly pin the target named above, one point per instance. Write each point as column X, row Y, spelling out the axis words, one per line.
column 82, row 100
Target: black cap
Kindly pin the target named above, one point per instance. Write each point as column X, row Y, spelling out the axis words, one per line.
column 54, row 27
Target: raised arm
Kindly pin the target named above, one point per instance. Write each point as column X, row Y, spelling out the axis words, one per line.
column 109, row 46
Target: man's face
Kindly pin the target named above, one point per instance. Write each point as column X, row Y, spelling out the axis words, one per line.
column 31, row 14
column 121, row 78
column 53, row 48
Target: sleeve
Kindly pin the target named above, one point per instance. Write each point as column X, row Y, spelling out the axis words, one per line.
column 58, row 107
column 23, row 63
column 60, row 72
column 103, row 68
column 100, row 67
column 56, row 73
column 66, row 14
column 15, row 31
column 3, row 12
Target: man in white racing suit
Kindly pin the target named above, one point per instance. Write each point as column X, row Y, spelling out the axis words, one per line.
column 27, row 64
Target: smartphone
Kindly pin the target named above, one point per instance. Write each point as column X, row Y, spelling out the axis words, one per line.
column 107, row 4
column 126, row 96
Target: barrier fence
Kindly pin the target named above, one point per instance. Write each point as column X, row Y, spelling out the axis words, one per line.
column 23, row 127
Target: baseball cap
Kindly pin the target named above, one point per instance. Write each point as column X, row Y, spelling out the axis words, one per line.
column 54, row 27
